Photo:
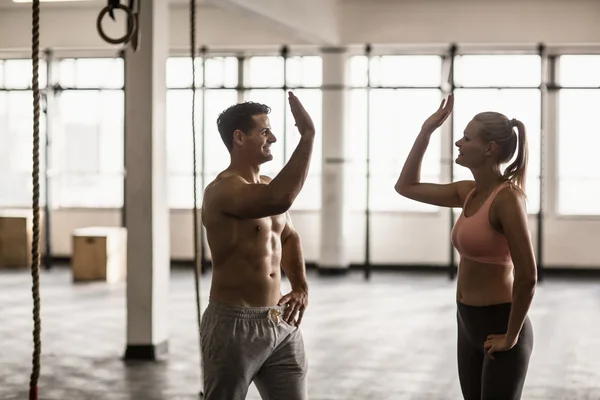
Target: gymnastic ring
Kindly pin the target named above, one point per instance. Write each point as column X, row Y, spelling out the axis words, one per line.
column 131, row 25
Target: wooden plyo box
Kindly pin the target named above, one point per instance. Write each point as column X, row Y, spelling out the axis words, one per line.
column 16, row 235
column 99, row 254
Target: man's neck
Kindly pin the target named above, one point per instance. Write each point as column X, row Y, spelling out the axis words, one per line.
column 249, row 172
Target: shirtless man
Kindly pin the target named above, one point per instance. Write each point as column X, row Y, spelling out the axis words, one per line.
column 249, row 331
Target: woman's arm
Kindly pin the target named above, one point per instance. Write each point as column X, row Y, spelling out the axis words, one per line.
column 410, row 186
column 512, row 215
column 409, row 183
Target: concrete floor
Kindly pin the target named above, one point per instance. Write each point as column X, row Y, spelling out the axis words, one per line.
column 390, row 338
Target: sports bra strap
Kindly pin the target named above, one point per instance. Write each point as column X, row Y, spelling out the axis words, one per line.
column 493, row 195
column 468, row 196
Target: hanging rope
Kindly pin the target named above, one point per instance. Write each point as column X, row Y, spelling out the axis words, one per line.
column 368, row 267
column 197, row 265
column 35, row 253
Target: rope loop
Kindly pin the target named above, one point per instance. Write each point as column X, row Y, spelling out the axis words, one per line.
column 132, row 25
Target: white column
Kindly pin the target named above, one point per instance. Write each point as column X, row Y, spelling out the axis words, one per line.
column 147, row 211
column 334, row 208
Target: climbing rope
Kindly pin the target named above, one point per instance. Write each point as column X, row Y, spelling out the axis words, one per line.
column 35, row 253
column 197, row 265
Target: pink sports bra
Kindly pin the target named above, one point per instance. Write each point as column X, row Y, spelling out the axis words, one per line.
column 476, row 239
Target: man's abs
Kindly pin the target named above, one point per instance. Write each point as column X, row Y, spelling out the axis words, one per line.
column 247, row 285
column 246, row 258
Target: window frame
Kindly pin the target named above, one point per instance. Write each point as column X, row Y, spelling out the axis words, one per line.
column 541, row 177
column 243, row 88
column 556, row 87
column 55, row 89
column 552, row 87
column 366, row 84
column 44, row 180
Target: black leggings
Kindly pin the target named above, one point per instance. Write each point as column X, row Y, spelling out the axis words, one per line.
column 480, row 377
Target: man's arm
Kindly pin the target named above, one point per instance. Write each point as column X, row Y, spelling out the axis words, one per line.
column 292, row 259
column 239, row 198
column 250, row 201
column 292, row 263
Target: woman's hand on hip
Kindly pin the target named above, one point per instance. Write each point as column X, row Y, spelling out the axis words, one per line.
column 495, row 343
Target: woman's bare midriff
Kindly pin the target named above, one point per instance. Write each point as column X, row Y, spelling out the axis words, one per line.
column 480, row 284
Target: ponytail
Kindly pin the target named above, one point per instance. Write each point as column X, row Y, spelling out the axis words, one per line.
column 517, row 171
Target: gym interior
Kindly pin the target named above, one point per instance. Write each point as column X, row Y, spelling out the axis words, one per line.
column 118, row 290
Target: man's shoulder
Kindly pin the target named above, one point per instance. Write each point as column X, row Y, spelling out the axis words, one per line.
column 227, row 182
column 220, row 190
column 225, row 179
column 265, row 178
column 224, row 184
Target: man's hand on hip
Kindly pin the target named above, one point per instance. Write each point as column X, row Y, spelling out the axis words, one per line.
column 296, row 302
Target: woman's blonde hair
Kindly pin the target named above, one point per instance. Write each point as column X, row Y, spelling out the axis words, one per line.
column 496, row 127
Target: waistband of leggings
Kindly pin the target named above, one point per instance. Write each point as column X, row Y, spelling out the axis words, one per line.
column 492, row 308
column 243, row 311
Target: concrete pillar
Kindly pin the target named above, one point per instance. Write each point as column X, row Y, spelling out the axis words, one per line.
column 147, row 211
column 334, row 208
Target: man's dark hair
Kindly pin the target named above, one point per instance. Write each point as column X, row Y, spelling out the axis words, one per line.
column 239, row 116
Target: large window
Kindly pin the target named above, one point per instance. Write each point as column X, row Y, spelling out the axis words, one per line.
column 88, row 139
column 405, row 91
column 216, row 80
column 578, row 136
column 16, row 132
column 221, row 77
column 179, row 130
column 216, row 156
column 264, row 80
column 508, row 84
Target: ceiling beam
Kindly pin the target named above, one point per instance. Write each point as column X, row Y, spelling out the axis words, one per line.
column 314, row 21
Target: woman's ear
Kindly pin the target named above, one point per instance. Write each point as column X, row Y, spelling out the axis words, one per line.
column 492, row 147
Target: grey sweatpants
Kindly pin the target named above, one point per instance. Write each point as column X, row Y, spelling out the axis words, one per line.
column 241, row 345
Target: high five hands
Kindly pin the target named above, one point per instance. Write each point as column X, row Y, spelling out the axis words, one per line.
column 439, row 117
column 303, row 120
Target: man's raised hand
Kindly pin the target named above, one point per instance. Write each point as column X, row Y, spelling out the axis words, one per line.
column 304, row 122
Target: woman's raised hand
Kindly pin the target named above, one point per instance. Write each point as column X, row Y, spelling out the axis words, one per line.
column 439, row 117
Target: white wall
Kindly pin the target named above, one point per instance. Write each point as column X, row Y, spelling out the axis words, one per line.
column 215, row 27
column 396, row 237
column 471, row 21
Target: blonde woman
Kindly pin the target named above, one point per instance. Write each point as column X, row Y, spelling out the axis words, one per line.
column 497, row 273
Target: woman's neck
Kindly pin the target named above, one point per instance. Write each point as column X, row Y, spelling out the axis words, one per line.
column 486, row 179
